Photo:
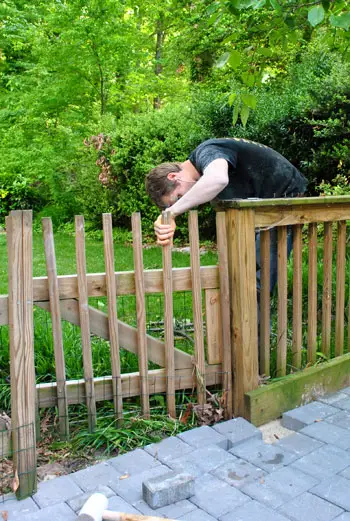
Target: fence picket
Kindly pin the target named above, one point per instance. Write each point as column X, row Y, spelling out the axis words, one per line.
column 265, row 242
column 23, row 393
column 327, row 289
column 221, row 235
column 112, row 315
column 197, row 306
column 140, row 312
column 340, row 289
column 312, row 294
column 54, row 297
column 282, row 282
column 84, row 321
column 297, row 296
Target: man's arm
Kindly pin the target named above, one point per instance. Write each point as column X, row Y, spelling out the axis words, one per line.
column 213, row 181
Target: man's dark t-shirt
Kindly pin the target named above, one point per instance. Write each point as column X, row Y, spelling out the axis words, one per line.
column 254, row 170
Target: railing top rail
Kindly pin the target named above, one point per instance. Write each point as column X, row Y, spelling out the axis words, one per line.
column 282, row 201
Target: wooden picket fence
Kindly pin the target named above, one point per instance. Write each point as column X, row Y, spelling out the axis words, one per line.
column 231, row 356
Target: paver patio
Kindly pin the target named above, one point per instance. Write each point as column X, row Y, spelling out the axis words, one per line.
column 238, row 477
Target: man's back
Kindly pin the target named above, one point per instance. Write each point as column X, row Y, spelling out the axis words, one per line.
column 255, row 170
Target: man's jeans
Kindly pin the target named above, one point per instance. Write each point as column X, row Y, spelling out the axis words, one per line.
column 273, row 260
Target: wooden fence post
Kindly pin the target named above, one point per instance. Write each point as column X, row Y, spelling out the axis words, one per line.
column 23, row 394
column 244, row 319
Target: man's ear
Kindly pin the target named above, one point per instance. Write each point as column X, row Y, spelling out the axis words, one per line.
column 172, row 176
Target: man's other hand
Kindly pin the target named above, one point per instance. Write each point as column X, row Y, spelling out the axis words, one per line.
column 164, row 232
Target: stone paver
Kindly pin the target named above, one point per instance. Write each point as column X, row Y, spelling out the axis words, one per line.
column 280, row 486
column 264, row 456
column 216, row 497
column 238, row 473
column 323, row 462
column 310, row 507
column 306, row 415
column 204, row 460
column 202, row 436
column 253, row 511
column 134, row 462
column 298, row 444
column 335, row 490
column 58, row 512
column 238, row 431
column 168, row 449
column 328, row 433
column 237, row 476
column 100, row 474
column 167, row 489
column 56, row 491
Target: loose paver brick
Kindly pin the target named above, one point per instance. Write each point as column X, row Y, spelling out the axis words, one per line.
column 205, row 459
column 100, row 474
column 238, row 431
column 202, row 436
column 300, row 417
column 197, row 515
column 168, row 488
column 341, row 419
column 16, row 508
column 328, row 433
column 323, row 462
column 311, row 508
column 168, row 449
column 174, row 511
column 280, row 486
column 130, row 489
column 56, row 491
column 134, row 462
column 298, row 444
column 77, row 502
column 264, row 456
column 59, row 512
column 253, row 511
column 238, row 473
column 215, row 496
column 335, row 490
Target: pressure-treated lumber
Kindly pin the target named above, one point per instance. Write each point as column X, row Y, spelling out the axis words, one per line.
column 269, row 401
column 327, row 289
column 297, row 296
column 221, row 237
column 282, row 282
column 213, row 322
column 312, row 295
column 184, row 379
column 140, row 312
column 84, row 320
column 197, row 306
column 242, row 265
column 265, row 242
column 23, row 395
column 112, row 314
column 50, row 256
column 168, row 322
column 340, row 289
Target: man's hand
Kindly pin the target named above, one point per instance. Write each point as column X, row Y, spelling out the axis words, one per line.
column 164, row 232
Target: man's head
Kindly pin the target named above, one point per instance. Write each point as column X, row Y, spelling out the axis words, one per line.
column 161, row 182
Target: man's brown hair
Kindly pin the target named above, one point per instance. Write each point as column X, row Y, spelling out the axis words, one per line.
column 158, row 184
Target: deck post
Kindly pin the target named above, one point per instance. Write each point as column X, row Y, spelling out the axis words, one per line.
column 243, row 304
